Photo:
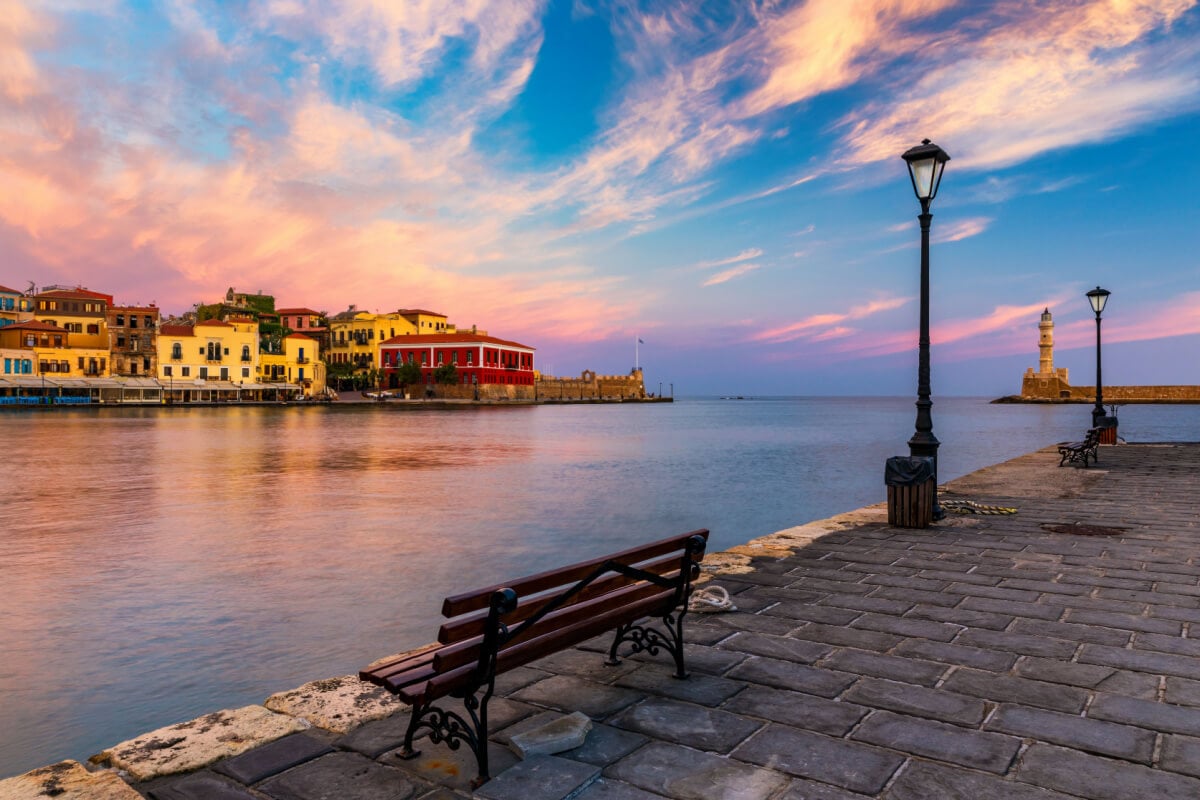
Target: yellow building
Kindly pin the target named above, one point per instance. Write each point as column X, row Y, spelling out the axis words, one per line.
column 52, row 351
column 299, row 363
column 14, row 307
column 212, row 350
column 355, row 335
column 82, row 313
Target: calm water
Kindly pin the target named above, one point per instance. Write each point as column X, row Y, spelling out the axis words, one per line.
column 159, row 564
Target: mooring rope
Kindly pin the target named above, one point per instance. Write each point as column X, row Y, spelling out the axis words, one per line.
column 971, row 507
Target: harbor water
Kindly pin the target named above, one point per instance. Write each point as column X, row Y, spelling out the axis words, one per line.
column 157, row 564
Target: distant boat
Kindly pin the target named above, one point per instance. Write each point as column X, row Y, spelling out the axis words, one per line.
column 380, row 396
column 739, row 397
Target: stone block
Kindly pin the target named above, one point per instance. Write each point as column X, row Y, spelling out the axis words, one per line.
column 583, row 664
column 1025, row 644
column 907, row 626
column 270, row 759
column 606, row 744
column 960, row 655
column 849, row 765
column 788, row 675
column 660, row 681
column 1146, row 714
column 847, row 637
column 188, row 746
column 1141, row 661
column 66, row 780
column 796, row 709
column 783, row 647
column 1079, row 733
column 917, row 701
column 907, row 670
column 1181, row 754
column 921, row 780
column 345, row 776
column 609, row 789
column 568, row 693
column 938, row 740
column 961, row 616
column 1020, row 691
column 1099, row 778
column 202, row 785
column 376, row 738
column 686, row 774
column 1053, row 670
column 691, row 725
column 336, row 704
column 541, row 777
column 564, row 733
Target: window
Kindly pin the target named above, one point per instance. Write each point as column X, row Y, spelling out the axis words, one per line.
column 167, row 371
column 177, row 350
column 132, row 321
column 64, row 366
column 81, row 362
column 149, row 321
column 468, row 358
column 224, row 373
column 27, row 366
column 204, row 373
column 245, row 352
column 8, row 366
column 145, row 364
column 133, row 366
column 186, row 372
column 120, row 341
column 121, row 320
column 454, row 357
column 245, row 372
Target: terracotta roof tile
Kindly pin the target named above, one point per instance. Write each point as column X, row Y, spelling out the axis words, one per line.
column 435, row 339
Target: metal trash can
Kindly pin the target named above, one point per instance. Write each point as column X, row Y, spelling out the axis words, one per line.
column 1108, row 429
column 910, row 491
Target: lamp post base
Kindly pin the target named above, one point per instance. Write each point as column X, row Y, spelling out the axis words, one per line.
column 925, row 445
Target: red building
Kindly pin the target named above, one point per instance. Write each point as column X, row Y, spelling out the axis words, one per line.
column 478, row 359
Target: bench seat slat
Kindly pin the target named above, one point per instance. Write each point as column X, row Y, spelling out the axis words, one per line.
column 478, row 599
column 467, row 652
column 468, row 627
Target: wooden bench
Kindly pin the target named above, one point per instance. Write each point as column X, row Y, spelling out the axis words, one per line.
column 495, row 629
column 1074, row 452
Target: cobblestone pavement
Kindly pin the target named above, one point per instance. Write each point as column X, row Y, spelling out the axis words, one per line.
column 985, row 657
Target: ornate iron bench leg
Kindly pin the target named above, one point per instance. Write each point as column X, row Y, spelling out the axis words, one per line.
column 454, row 730
column 648, row 639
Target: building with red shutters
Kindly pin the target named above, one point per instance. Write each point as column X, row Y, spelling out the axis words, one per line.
column 496, row 366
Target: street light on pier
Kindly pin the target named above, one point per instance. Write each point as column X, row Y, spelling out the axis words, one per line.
column 1098, row 298
column 926, row 162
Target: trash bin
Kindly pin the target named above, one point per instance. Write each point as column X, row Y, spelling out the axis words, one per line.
column 910, row 491
column 1108, row 429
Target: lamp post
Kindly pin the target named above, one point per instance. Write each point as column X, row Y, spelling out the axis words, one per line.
column 926, row 162
column 1098, row 298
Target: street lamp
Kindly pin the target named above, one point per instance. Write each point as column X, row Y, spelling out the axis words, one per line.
column 926, row 162
column 1098, row 298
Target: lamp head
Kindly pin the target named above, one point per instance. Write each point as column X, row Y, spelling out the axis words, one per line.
column 926, row 162
column 1098, row 298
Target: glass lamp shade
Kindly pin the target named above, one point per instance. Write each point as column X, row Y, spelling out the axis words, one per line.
column 926, row 162
column 1098, row 298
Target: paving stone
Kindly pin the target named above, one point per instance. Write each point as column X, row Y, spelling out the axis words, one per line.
column 336, row 704
column 802, row 650
column 1181, row 754
column 908, row 670
column 202, row 785
column 1094, row 604
column 660, row 681
column 439, row 765
column 1101, row 778
column 993, row 592
column 66, row 780
column 1132, row 596
column 848, row 586
column 1050, row 587
column 1054, row 670
column 1025, row 644
column 1129, row 622
column 846, row 764
column 693, row 633
column 541, row 777
column 939, row 740
column 950, row 576
column 1079, row 733
column 761, row 623
column 685, row 774
column 961, row 616
column 607, row 789
column 801, row 789
column 912, row 597
column 1071, row 632
column 1010, row 608
column 1141, row 660
column 567, row 732
column 1170, row 612
column 376, row 738
column 916, row 701
column 849, row 637
column 270, row 759
column 568, row 693
column 920, row 780
column 704, row 659
column 1171, row 643
column 797, row 709
column 920, row 584
column 1182, row 692
column 906, row 626
column 787, row 675
column 605, row 744
column 858, row 603
column 1132, row 684
column 694, row 726
column 340, row 776
column 514, row 679
column 813, row 613
column 583, row 664
column 1146, row 713
column 976, row 657
column 1016, row 690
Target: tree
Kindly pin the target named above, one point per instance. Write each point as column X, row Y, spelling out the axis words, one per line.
column 408, row 373
column 446, row 375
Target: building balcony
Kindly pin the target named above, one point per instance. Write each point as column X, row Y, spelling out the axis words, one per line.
column 246, row 359
column 302, row 360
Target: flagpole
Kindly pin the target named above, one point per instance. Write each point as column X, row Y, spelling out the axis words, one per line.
column 636, row 362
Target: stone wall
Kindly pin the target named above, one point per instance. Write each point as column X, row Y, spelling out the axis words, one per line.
column 589, row 385
column 1035, row 386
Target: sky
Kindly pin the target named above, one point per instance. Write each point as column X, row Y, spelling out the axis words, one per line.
column 722, row 181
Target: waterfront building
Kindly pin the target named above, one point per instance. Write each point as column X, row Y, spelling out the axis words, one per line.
column 52, row 351
column 305, row 320
column 497, row 367
column 14, row 307
column 81, row 312
column 210, row 350
column 355, row 336
column 299, row 364
column 133, row 335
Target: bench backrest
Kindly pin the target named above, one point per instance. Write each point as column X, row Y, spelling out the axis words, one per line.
column 523, row 620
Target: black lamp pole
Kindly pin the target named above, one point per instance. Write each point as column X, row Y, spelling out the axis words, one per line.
column 926, row 163
column 1098, row 298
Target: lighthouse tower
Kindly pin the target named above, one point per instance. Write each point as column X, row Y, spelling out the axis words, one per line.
column 1046, row 344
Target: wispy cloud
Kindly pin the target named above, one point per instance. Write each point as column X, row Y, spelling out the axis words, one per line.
column 961, row 229
column 821, row 326
column 730, row 274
